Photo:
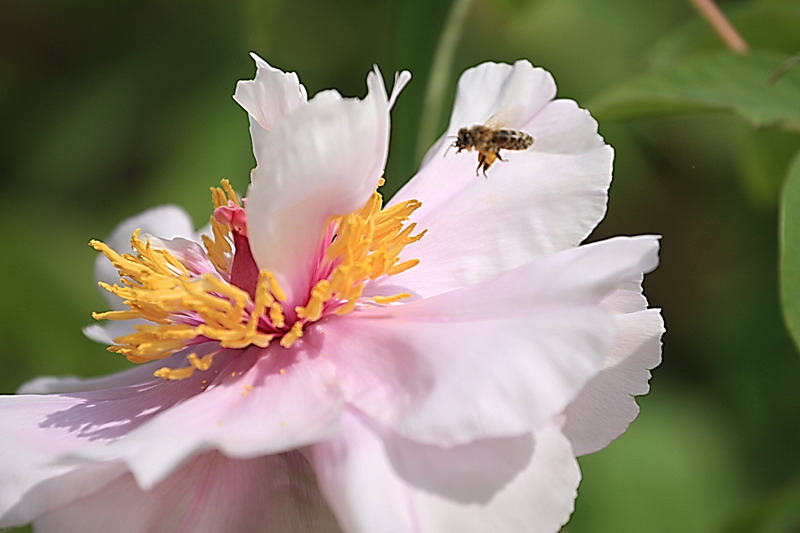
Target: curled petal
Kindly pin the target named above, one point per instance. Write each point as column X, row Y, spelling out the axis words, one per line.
column 321, row 161
column 272, row 95
column 268, row 98
column 606, row 405
column 516, row 485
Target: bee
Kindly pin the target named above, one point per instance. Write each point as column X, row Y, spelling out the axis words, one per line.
column 488, row 141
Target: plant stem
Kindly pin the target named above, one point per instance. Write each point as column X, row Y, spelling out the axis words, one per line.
column 714, row 16
column 440, row 74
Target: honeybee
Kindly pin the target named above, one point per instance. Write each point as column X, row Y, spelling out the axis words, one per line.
column 488, row 141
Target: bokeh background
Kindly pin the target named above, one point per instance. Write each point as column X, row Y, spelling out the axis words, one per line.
column 109, row 108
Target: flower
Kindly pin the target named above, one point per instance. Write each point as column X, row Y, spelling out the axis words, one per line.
column 318, row 362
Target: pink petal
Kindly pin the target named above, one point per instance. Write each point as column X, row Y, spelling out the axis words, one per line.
column 42, row 428
column 210, row 494
column 498, row 358
column 37, row 429
column 259, row 403
column 543, row 200
column 322, row 160
column 188, row 251
column 606, row 406
column 511, row 485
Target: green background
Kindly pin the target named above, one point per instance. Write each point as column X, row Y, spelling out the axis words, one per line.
column 110, row 108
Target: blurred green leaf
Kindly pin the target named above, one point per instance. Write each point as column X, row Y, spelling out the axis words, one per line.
column 716, row 81
column 763, row 157
column 790, row 251
column 778, row 513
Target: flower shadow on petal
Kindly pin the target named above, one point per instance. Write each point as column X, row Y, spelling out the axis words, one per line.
column 112, row 413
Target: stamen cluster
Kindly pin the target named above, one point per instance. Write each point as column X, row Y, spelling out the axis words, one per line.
column 186, row 306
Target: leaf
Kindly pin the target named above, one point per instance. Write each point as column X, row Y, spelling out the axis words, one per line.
column 714, row 81
column 790, row 251
column 763, row 157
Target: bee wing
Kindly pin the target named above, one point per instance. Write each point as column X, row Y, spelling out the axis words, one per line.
column 505, row 117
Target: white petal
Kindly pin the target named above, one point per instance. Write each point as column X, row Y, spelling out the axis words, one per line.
column 321, row 161
column 165, row 221
column 509, row 95
column 106, row 332
column 513, row 485
column 498, row 358
column 505, row 95
column 268, row 98
column 606, row 406
column 272, row 95
column 542, row 200
column 211, row 494
column 401, row 79
column 259, row 404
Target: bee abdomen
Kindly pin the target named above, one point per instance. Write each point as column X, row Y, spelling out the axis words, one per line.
column 512, row 139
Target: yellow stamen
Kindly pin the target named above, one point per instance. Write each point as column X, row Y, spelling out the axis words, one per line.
column 402, row 267
column 295, row 333
column 219, row 245
column 159, row 288
column 368, row 244
column 274, row 286
column 230, row 193
column 346, row 308
column 390, row 299
column 201, row 363
column 174, row 373
column 276, row 315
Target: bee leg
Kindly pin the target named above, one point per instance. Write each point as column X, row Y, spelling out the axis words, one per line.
column 500, row 158
column 481, row 163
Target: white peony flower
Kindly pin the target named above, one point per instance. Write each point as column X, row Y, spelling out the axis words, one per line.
column 322, row 363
